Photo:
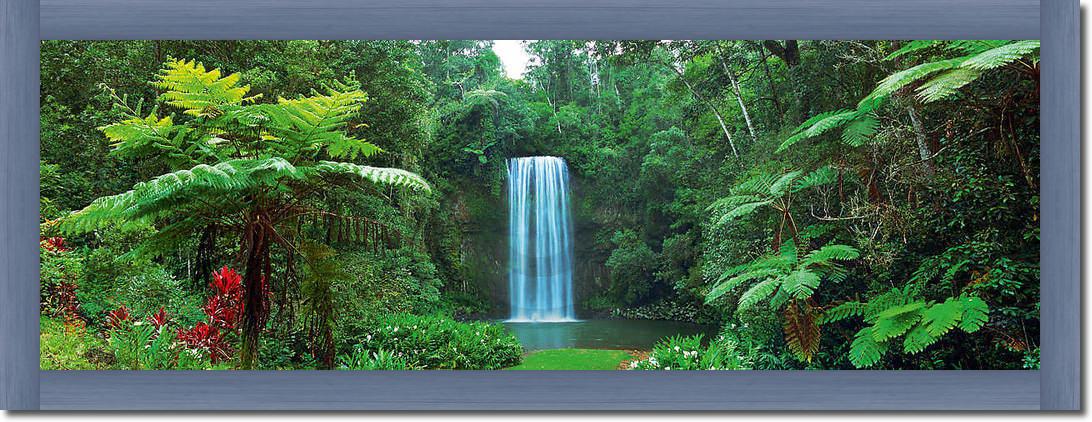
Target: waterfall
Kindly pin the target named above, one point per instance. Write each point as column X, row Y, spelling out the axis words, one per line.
column 540, row 245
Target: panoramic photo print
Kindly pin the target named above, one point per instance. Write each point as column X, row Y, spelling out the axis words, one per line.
column 539, row 205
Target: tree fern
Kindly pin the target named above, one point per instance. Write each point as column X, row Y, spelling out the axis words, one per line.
column 251, row 168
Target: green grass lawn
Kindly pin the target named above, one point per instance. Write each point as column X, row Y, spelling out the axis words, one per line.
column 586, row 359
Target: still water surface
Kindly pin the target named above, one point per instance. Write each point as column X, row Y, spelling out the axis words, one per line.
column 602, row 333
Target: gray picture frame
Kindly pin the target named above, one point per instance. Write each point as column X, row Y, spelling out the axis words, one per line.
column 23, row 23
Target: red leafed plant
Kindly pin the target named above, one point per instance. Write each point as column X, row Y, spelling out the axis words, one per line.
column 224, row 309
column 117, row 318
column 159, row 319
column 207, row 337
column 53, row 244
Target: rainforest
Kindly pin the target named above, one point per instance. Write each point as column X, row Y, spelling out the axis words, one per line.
column 539, row 204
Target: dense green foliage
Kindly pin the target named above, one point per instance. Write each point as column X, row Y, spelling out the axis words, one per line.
column 438, row 342
column 692, row 354
column 832, row 204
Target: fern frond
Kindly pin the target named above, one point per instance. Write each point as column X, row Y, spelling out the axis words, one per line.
column 942, row 317
column 757, row 184
column 757, row 293
column 788, row 252
column 887, row 300
column 733, row 282
column 801, row 284
column 895, row 321
column 319, row 121
column 946, row 85
column 137, row 137
column 740, row 211
column 1000, row 56
column 860, row 131
column 821, row 176
column 782, row 184
column 830, row 121
column 900, row 79
column 917, row 339
column 199, row 92
column 975, row 313
column 148, row 198
column 968, row 47
column 377, row 175
column 801, row 330
column 831, row 252
column 842, row 312
column 865, row 351
column 912, row 46
column 896, row 311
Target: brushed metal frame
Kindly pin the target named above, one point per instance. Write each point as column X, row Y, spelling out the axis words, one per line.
column 1055, row 387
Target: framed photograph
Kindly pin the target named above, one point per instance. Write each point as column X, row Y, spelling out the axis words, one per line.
column 492, row 205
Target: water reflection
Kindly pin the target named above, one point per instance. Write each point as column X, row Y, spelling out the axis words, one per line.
column 601, row 334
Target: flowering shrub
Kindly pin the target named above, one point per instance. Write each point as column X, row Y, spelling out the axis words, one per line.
column 688, row 354
column 439, row 342
column 362, row 359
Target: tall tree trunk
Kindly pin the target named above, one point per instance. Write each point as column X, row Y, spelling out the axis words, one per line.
column 256, row 310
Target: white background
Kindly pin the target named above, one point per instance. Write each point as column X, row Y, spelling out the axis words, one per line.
column 613, row 417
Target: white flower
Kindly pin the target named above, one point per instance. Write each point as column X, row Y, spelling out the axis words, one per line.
column 667, row 368
column 676, row 348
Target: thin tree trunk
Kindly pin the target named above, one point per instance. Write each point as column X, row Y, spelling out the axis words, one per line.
column 701, row 99
column 923, row 146
column 739, row 97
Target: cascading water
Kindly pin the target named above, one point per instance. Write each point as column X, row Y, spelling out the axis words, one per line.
column 540, row 245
